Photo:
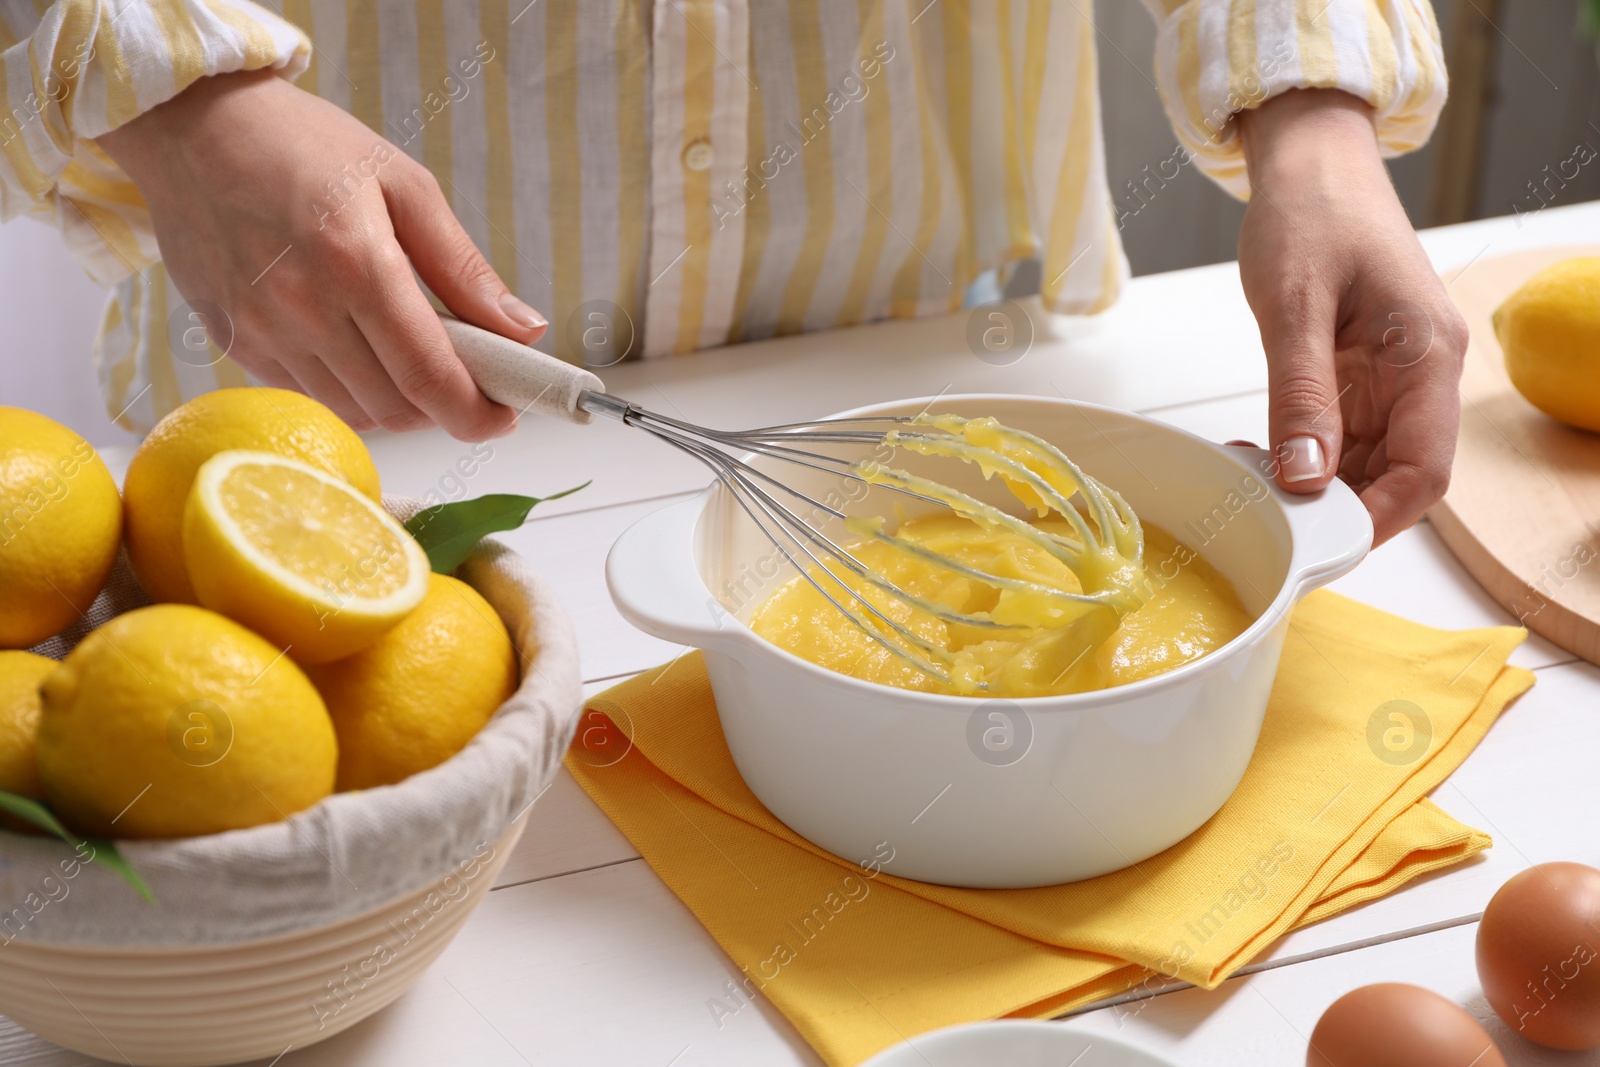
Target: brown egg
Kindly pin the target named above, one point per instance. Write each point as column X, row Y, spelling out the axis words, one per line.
column 1396, row 1025
column 1539, row 955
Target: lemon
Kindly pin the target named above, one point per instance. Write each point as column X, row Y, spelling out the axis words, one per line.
column 298, row 555
column 162, row 471
column 1549, row 331
column 417, row 695
column 20, row 675
column 172, row 721
column 60, row 526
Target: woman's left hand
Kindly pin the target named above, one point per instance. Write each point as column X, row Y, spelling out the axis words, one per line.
column 1364, row 348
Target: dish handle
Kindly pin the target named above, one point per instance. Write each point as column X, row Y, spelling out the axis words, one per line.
column 655, row 584
column 1330, row 530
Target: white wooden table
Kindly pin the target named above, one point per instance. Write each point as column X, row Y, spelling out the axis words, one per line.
column 582, row 956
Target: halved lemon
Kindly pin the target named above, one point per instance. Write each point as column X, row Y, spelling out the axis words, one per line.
column 297, row 555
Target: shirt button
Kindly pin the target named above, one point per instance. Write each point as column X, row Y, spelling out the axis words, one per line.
column 697, row 155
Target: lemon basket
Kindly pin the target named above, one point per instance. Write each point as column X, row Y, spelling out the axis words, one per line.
column 282, row 935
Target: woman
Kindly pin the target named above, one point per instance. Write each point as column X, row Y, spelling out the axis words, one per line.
column 657, row 176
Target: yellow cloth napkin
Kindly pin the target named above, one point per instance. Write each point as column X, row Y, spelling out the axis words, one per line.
column 1332, row 812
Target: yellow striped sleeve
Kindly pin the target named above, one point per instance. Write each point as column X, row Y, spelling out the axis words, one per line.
column 1215, row 58
column 83, row 68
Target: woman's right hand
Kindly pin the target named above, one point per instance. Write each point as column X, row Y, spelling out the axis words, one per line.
column 304, row 226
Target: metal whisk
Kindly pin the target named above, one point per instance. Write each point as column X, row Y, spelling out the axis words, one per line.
column 1105, row 552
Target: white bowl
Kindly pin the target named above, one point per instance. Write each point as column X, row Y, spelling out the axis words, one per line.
column 1016, row 1044
column 998, row 793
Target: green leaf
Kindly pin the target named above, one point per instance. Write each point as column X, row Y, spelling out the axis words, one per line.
column 100, row 849
column 449, row 532
column 1589, row 19
column 106, row 852
column 29, row 810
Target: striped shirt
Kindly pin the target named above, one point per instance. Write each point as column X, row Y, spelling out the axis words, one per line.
column 660, row 176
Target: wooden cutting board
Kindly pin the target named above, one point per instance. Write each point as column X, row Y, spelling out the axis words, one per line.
column 1523, row 511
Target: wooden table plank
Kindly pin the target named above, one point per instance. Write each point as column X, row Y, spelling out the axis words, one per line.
column 570, row 552
column 1267, row 1018
column 566, row 833
column 605, row 965
column 600, row 967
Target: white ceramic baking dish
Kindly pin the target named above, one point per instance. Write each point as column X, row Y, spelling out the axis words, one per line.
column 993, row 793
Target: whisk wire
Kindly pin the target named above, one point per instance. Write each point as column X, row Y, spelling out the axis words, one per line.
column 786, row 523
column 725, row 466
column 819, row 559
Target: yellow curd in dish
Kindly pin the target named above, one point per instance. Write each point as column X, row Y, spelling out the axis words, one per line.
column 1184, row 610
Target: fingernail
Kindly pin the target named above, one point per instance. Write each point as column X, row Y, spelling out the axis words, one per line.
column 521, row 313
column 1300, row 459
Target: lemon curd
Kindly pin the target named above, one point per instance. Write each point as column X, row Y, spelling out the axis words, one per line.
column 1184, row 610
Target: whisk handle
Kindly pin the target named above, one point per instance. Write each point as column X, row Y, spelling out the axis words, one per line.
column 521, row 377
